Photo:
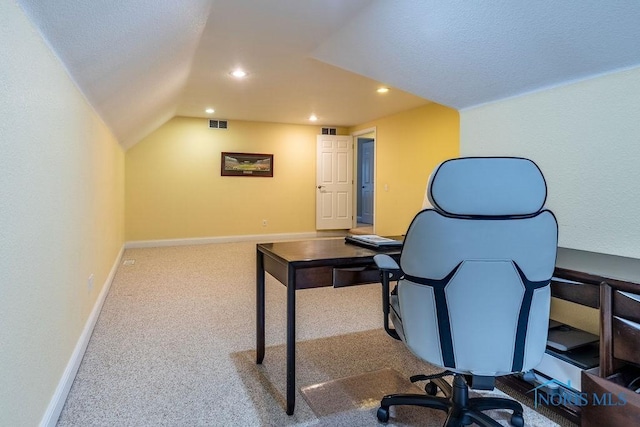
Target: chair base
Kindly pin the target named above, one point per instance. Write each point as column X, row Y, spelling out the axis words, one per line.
column 461, row 410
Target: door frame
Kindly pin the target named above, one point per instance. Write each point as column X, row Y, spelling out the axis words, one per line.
column 370, row 133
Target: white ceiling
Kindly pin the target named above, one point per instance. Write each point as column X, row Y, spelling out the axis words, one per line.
column 141, row 62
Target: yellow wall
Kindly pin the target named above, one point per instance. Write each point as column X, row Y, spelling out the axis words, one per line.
column 61, row 217
column 409, row 145
column 174, row 188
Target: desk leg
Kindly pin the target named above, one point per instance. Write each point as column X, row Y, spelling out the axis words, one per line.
column 259, row 306
column 291, row 340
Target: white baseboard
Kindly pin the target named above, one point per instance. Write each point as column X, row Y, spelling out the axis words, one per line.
column 229, row 239
column 56, row 404
column 51, row 415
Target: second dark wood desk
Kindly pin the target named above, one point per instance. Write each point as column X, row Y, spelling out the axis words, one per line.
column 303, row 265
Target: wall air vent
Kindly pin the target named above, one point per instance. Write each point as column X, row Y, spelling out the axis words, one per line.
column 218, row 124
column 329, row 131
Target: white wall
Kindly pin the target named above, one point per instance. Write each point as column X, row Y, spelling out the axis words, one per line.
column 61, row 217
column 586, row 139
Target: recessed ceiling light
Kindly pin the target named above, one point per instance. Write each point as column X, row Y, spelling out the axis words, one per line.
column 313, row 118
column 239, row 73
column 209, row 111
column 382, row 90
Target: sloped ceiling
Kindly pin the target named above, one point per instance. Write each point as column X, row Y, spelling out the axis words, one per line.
column 273, row 40
column 465, row 53
column 140, row 62
column 130, row 58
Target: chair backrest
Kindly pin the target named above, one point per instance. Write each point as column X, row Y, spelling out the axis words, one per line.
column 475, row 294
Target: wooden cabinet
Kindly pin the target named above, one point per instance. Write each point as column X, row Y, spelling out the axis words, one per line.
column 618, row 303
column 611, row 396
column 610, row 402
column 619, row 325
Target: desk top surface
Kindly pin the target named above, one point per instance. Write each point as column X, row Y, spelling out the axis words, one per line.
column 606, row 266
column 319, row 250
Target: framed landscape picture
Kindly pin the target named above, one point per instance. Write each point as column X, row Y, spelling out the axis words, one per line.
column 246, row 164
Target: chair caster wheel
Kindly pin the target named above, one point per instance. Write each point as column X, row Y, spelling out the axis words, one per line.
column 383, row 414
column 517, row 420
column 431, row 389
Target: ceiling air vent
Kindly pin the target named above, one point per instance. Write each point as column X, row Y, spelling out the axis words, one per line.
column 329, row 131
column 218, row 124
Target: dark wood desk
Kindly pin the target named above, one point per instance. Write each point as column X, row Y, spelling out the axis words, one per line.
column 303, row 265
column 596, row 289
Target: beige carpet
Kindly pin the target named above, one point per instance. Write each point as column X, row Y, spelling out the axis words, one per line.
column 323, row 360
column 174, row 346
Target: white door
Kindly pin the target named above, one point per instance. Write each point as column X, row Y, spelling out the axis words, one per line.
column 334, row 182
column 367, row 182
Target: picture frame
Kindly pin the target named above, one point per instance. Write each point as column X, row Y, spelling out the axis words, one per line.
column 246, row 164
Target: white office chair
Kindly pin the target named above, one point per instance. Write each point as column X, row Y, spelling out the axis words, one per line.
column 473, row 290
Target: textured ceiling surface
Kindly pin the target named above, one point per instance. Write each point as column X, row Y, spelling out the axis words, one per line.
column 130, row 58
column 466, row 53
column 140, row 62
column 272, row 40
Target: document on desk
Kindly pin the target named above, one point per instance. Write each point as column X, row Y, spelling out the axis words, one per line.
column 373, row 241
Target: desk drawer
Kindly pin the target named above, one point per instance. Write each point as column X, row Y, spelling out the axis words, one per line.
column 626, row 336
column 626, row 305
column 347, row 276
column 314, row 277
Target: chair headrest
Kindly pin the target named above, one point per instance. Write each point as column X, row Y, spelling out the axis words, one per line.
column 487, row 186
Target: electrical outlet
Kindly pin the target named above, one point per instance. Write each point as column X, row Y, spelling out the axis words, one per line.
column 90, row 283
column 264, row 222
